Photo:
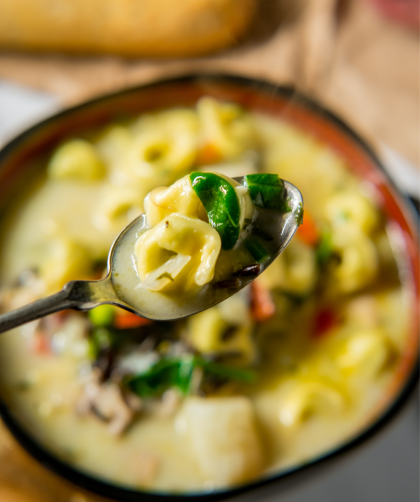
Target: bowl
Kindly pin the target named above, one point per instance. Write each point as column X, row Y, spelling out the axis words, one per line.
column 23, row 156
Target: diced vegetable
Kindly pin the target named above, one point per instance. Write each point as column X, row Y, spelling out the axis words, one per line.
column 221, row 203
column 262, row 305
column 224, row 438
column 307, row 232
column 324, row 249
column 208, row 154
column 103, row 315
column 40, row 344
column 325, row 321
column 127, row 320
column 267, row 191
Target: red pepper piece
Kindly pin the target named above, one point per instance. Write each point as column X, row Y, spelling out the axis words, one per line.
column 325, row 320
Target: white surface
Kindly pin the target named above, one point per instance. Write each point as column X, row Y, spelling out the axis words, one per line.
column 386, row 469
column 404, row 174
column 21, row 107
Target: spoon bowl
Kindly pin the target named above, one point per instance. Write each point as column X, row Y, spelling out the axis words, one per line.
column 121, row 288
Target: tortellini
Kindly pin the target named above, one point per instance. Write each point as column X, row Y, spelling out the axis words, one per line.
column 225, row 129
column 118, row 202
column 294, row 271
column 165, row 142
column 309, row 397
column 358, row 259
column 224, row 329
column 364, row 353
column 76, row 159
column 352, row 208
column 181, row 253
column 224, row 438
column 178, row 198
column 65, row 260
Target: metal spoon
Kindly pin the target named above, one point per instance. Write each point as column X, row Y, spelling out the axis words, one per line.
column 86, row 295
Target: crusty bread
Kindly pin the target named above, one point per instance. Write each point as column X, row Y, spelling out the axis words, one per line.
column 153, row 28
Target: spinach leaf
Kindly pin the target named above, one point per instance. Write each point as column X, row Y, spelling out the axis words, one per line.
column 165, row 374
column 226, row 371
column 257, row 250
column 221, row 203
column 177, row 372
column 299, row 215
column 324, row 249
column 267, row 191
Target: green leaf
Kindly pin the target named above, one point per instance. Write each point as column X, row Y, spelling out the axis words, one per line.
column 228, row 372
column 221, row 203
column 100, row 338
column 267, row 191
column 165, row 374
column 257, row 250
column 170, row 373
column 299, row 215
column 324, row 249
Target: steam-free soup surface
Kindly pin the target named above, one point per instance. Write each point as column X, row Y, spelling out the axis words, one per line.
column 278, row 374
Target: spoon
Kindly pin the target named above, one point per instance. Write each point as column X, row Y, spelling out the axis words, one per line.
column 86, row 295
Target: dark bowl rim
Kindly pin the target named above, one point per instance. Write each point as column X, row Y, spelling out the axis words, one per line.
column 114, row 491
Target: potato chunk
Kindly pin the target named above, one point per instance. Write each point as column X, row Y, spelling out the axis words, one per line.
column 224, row 438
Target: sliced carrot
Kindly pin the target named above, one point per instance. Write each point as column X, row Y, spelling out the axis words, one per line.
column 40, row 344
column 127, row 320
column 208, row 154
column 262, row 305
column 308, row 232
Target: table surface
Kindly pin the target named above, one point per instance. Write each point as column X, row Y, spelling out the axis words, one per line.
column 385, row 469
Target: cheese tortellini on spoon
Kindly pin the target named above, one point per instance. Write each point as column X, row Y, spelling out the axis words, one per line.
column 195, row 222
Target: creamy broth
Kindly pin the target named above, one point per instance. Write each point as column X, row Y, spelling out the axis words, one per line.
column 321, row 333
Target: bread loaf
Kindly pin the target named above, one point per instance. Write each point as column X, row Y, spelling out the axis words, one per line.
column 150, row 28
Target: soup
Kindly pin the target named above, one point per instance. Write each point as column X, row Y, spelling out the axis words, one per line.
column 283, row 371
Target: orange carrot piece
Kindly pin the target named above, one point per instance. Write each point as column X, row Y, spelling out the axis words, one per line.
column 208, row 154
column 127, row 320
column 262, row 305
column 307, row 232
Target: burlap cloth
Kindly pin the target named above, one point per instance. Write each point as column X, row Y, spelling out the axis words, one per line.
column 364, row 67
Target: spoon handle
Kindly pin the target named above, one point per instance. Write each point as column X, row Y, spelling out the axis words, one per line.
column 36, row 310
column 80, row 295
